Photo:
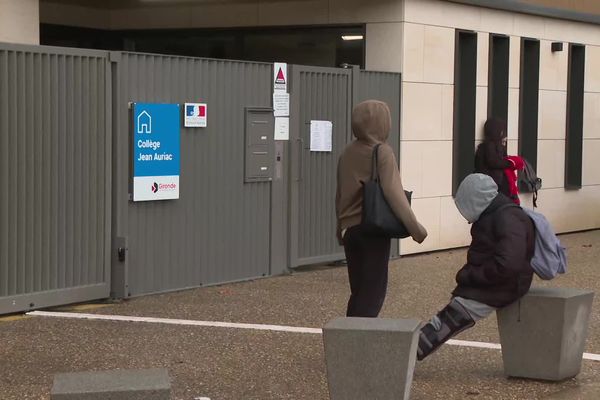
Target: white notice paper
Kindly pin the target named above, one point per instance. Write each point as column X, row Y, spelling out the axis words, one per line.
column 282, row 128
column 281, row 104
column 320, row 135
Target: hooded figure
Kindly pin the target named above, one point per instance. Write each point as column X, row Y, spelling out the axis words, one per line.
column 368, row 256
column 490, row 155
column 498, row 271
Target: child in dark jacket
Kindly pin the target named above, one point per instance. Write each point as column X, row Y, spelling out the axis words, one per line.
column 498, row 270
column 491, row 159
column 490, row 155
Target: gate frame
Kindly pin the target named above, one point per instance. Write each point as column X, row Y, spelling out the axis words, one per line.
column 297, row 146
column 50, row 298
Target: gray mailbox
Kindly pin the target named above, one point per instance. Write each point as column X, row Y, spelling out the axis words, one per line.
column 259, row 144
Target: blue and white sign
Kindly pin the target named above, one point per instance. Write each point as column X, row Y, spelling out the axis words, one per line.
column 156, row 149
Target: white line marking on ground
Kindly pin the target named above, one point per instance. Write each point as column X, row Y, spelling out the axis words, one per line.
column 468, row 343
column 262, row 327
column 276, row 328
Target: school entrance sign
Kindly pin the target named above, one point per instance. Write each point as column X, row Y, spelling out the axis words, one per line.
column 156, row 150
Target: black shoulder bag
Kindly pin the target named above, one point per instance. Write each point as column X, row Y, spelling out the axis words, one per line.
column 378, row 219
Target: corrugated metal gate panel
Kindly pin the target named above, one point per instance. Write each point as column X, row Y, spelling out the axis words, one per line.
column 55, row 177
column 385, row 86
column 328, row 94
column 219, row 229
column 318, row 94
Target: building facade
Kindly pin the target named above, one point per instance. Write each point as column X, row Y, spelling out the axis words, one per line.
column 421, row 39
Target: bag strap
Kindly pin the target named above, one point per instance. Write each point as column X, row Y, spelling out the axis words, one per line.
column 374, row 172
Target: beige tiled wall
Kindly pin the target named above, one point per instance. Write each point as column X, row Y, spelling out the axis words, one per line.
column 553, row 67
column 426, row 111
column 428, row 212
column 483, row 50
column 19, row 21
column 426, row 167
column 428, row 54
column 514, row 61
column 591, row 115
column 571, row 210
column 384, row 47
column 446, row 228
column 513, row 114
column 592, row 71
column 552, row 114
column 591, row 165
column 448, row 14
column 551, row 163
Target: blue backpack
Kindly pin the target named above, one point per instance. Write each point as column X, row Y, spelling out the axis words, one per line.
column 549, row 257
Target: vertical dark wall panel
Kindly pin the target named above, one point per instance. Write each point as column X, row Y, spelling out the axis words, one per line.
column 575, row 95
column 219, row 228
column 529, row 100
column 498, row 77
column 54, row 149
column 465, row 86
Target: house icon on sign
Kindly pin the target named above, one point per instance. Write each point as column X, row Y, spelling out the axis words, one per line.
column 144, row 123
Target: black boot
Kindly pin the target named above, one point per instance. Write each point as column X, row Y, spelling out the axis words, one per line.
column 454, row 318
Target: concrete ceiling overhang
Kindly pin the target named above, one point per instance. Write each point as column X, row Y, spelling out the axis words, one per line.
column 535, row 9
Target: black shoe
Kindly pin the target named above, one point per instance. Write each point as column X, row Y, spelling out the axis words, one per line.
column 454, row 318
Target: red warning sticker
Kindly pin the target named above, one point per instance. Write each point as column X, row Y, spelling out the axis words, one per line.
column 280, row 77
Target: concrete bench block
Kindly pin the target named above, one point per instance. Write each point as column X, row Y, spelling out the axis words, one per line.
column 544, row 336
column 370, row 358
column 145, row 384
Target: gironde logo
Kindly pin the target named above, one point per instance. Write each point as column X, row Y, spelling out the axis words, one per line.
column 155, row 187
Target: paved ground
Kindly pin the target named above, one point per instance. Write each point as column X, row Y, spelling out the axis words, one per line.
column 222, row 363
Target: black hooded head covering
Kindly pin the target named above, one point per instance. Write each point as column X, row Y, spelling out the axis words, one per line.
column 494, row 130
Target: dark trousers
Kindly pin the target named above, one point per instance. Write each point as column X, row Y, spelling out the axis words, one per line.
column 367, row 258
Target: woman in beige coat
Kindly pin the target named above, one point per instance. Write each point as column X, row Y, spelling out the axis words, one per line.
column 367, row 255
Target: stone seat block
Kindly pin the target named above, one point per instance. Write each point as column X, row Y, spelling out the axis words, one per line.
column 145, row 384
column 543, row 336
column 370, row 358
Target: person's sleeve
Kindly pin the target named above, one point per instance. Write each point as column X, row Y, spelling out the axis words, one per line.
column 509, row 255
column 390, row 181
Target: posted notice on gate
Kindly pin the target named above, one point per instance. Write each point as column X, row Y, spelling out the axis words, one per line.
column 156, row 150
column 280, row 77
column 321, row 133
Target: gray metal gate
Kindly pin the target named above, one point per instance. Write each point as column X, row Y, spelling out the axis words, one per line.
column 327, row 94
column 69, row 231
column 55, row 176
column 316, row 94
column 219, row 229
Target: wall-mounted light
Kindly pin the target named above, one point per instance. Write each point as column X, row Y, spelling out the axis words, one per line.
column 557, row 46
column 352, row 37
